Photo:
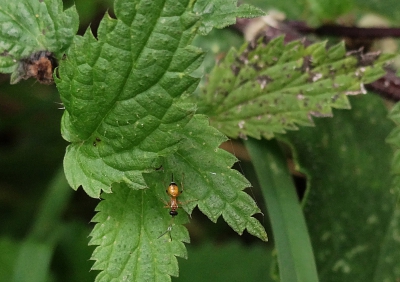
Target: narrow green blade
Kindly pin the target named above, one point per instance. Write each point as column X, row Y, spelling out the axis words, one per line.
column 295, row 254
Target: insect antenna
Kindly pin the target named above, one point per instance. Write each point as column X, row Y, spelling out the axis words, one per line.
column 167, row 231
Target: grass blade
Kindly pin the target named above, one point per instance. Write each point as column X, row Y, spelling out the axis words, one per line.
column 295, row 255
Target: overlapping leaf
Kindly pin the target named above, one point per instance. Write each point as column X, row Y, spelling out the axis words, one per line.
column 130, row 222
column 267, row 89
column 125, row 116
column 29, row 26
column 221, row 13
column 209, row 180
column 350, row 206
column 122, row 93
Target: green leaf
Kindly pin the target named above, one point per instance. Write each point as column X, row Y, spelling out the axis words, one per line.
column 318, row 12
column 122, row 94
column 214, row 186
column 292, row 10
column 130, row 222
column 266, row 89
column 221, row 13
column 131, row 126
column 292, row 241
column 30, row 26
column 349, row 202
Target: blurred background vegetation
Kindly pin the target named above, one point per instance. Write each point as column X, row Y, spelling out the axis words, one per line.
column 45, row 224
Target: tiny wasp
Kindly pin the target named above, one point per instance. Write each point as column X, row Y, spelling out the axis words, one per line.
column 173, row 193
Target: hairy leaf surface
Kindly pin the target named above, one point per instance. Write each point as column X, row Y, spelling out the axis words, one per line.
column 130, row 222
column 122, row 93
column 210, row 181
column 131, row 127
column 30, row 26
column 266, row 89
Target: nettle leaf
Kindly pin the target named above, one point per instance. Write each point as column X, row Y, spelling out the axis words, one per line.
column 221, row 13
column 130, row 222
column 30, row 26
column 122, row 91
column 270, row 88
column 209, row 180
column 131, row 126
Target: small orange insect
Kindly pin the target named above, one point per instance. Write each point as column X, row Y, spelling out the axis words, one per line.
column 173, row 204
column 173, row 192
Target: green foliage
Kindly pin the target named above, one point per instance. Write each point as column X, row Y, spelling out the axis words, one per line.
column 129, row 224
column 215, row 187
column 31, row 26
column 122, row 94
column 292, row 242
column 318, row 12
column 221, row 13
column 265, row 89
column 350, row 202
column 129, row 221
column 132, row 123
column 126, row 114
column 292, row 9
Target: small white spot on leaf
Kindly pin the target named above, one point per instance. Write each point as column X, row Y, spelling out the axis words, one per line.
column 300, row 97
column 316, row 77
